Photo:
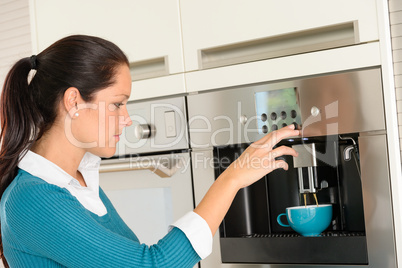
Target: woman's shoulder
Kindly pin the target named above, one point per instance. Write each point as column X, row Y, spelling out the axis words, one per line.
column 23, row 177
column 25, row 180
column 26, row 185
column 28, row 195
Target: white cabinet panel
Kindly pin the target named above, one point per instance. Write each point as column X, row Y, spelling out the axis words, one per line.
column 226, row 29
column 147, row 31
column 328, row 61
column 158, row 87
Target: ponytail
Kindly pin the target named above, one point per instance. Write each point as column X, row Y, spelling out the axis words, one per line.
column 20, row 120
column 19, row 123
column 34, row 87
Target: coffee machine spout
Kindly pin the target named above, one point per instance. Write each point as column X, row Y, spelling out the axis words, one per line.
column 348, row 152
column 306, row 164
column 307, row 185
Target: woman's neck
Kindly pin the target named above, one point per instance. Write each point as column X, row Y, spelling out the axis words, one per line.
column 55, row 147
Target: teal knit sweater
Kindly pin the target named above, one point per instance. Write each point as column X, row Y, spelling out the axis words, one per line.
column 43, row 225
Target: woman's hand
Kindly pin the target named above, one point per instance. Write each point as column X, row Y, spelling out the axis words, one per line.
column 254, row 163
column 260, row 158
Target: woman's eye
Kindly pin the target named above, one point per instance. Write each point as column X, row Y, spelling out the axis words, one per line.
column 114, row 106
column 118, row 105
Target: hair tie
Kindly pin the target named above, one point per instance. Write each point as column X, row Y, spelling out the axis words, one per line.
column 32, row 72
column 33, row 62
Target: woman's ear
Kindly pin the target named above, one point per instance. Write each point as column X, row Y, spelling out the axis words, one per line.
column 71, row 99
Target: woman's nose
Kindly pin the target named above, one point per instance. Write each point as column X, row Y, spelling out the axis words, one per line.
column 125, row 119
column 129, row 121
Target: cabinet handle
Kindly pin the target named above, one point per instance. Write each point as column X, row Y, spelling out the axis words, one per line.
column 163, row 169
column 149, row 68
column 330, row 36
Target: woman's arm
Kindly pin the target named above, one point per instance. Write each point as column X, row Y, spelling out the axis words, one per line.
column 254, row 163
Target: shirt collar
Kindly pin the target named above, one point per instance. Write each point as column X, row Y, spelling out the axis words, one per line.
column 88, row 196
column 48, row 171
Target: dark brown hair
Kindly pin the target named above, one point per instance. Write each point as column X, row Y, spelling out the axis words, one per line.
column 28, row 110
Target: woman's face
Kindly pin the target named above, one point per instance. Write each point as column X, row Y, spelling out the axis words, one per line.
column 100, row 122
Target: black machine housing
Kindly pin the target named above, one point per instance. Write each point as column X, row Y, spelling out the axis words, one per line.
column 250, row 233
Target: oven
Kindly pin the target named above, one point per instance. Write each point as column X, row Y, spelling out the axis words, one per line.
column 149, row 178
column 343, row 136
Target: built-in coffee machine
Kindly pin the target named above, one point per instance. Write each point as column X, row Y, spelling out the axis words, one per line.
column 342, row 161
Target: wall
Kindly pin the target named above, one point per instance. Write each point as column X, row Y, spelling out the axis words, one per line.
column 395, row 9
column 15, row 34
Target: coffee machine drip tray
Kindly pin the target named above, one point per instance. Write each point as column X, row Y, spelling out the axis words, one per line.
column 331, row 248
column 326, row 234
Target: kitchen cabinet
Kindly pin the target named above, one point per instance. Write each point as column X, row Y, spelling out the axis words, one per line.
column 220, row 33
column 148, row 203
column 175, row 46
column 307, row 64
column 147, row 31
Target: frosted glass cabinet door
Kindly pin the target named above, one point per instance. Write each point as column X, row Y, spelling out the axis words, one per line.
column 147, row 31
column 147, row 202
column 226, row 32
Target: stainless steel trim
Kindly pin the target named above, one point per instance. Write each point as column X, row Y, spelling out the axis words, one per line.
column 347, row 102
column 162, row 169
column 350, row 102
column 377, row 201
column 306, row 157
column 148, row 130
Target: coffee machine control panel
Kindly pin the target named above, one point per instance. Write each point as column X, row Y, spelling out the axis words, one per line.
column 276, row 109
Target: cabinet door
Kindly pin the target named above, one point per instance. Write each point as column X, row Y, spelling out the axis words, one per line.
column 147, row 202
column 147, row 31
column 226, row 32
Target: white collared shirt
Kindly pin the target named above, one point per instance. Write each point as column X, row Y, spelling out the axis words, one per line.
column 88, row 196
column 193, row 225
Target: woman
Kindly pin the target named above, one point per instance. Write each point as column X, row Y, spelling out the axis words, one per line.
column 60, row 112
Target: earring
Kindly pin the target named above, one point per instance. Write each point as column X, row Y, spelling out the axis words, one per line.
column 76, row 113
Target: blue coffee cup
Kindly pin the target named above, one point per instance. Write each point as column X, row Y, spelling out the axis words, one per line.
column 307, row 220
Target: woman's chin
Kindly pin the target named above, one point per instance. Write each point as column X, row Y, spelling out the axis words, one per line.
column 104, row 152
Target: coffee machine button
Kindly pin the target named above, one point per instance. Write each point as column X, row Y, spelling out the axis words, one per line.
column 274, row 127
column 143, row 131
column 283, row 115
column 273, row 116
column 293, row 114
column 296, row 125
column 243, row 119
column 264, row 129
column 314, row 111
column 264, row 117
column 284, row 125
